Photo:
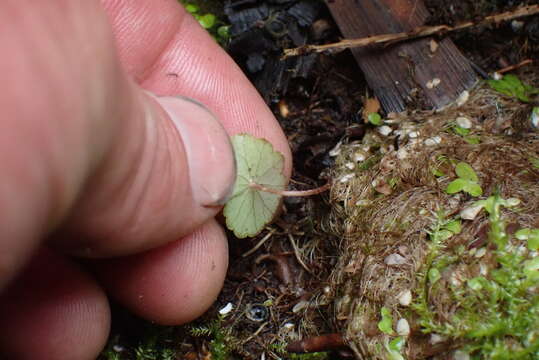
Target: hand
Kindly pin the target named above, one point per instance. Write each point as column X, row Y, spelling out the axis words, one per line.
column 92, row 165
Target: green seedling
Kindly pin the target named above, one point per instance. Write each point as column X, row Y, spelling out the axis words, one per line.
column 375, row 119
column 531, row 236
column 511, row 85
column 386, row 324
column 259, row 188
column 394, row 348
column 467, row 181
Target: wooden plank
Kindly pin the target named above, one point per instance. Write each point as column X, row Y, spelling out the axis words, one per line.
column 400, row 74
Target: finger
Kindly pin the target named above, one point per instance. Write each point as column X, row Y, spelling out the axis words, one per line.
column 173, row 284
column 85, row 128
column 184, row 59
column 50, row 307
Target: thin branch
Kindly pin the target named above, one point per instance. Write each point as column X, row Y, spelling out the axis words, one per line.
column 419, row 32
column 291, row 193
column 259, row 244
column 515, row 66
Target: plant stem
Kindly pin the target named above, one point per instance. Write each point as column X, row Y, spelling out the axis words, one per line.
column 291, row 193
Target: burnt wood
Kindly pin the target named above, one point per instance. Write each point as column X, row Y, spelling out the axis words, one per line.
column 399, row 73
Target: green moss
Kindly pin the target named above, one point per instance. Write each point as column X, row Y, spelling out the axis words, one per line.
column 209, row 15
column 498, row 315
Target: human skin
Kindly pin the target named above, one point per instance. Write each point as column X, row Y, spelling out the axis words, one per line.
column 93, row 165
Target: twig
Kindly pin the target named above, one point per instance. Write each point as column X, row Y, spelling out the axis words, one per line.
column 514, row 66
column 297, row 255
column 419, row 32
column 259, row 244
column 291, row 193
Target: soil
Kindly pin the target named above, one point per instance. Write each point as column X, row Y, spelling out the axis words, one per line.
column 319, row 103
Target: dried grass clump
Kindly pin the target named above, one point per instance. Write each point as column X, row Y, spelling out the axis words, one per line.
column 389, row 199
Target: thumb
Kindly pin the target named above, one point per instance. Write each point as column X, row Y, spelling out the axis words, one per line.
column 171, row 169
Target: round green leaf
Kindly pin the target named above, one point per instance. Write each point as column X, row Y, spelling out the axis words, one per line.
column 455, row 186
column 473, row 188
column 386, row 324
column 465, row 171
column 250, row 209
column 207, row 21
column 375, row 119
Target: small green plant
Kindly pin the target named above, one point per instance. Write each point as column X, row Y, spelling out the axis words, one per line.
column 386, row 324
column 210, row 22
column 220, row 337
column 511, row 85
column 498, row 310
column 259, row 188
column 375, row 119
column 394, row 348
column 467, row 181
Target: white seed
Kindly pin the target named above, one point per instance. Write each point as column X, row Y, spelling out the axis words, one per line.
column 464, row 122
column 403, row 328
column 359, row 156
column 481, row 252
column 461, row 355
column 497, row 76
column 435, row 339
column 385, row 130
column 463, row 98
column 413, row 134
column 470, row 212
column 433, row 141
column 405, row 297
column 394, row 259
column 517, row 25
column 350, row 165
column 402, row 154
column 433, row 45
column 346, row 178
column 226, row 309
column 289, row 326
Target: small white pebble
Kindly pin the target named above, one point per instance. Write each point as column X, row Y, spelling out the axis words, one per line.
column 350, row 165
column 435, row 339
column 346, row 178
column 385, row 130
column 463, row 98
column 118, row 348
column 403, row 328
column 433, row 83
column 464, row 122
column 327, row 290
column 461, row 355
column 413, row 134
column 394, row 259
column 405, row 298
column 433, row 141
column 497, row 76
column 470, row 212
column 402, row 154
column 517, row 25
column 226, row 309
column 481, row 252
column 359, row 156
column 289, row 326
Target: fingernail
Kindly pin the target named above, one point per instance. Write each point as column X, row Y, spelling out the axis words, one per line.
column 212, row 168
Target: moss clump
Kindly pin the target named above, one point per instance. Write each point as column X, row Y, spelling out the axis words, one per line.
column 447, row 266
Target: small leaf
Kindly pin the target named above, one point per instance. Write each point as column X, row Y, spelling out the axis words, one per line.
column 207, row 21
column 531, row 269
column 249, row 209
column 455, row 186
column 441, row 235
column 191, row 8
column 375, row 119
column 434, row 275
column 465, row 171
column 460, row 130
column 476, row 283
column 473, row 140
column 531, row 235
column 453, row 226
column 436, row 172
column 394, row 348
column 386, row 324
column 473, row 188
